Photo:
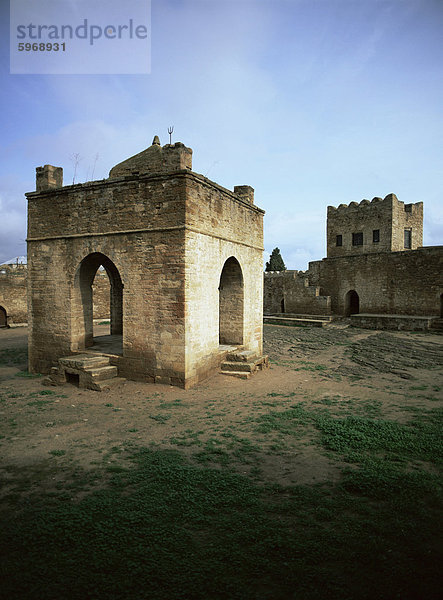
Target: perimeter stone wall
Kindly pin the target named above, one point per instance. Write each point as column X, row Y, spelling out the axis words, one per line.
column 13, row 293
column 403, row 283
column 13, row 296
column 291, row 292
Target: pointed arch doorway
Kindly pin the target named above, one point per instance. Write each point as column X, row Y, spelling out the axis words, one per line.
column 82, row 307
column 231, row 301
column 352, row 303
column 3, row 317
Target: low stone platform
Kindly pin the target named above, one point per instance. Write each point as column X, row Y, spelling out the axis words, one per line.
column 87, row 371
column 394, row 322
column 243, row 364
column 305, row 321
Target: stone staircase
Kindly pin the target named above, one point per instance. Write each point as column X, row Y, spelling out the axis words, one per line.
column 243, row 364
column 87, row 371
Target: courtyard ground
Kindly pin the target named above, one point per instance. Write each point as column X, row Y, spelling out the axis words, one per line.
column 319, row 478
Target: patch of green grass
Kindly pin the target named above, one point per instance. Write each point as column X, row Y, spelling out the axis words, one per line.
column 174, row 404
column 360, row 438
column 289, row 422
column 57, row 452
column 189, row 438
column 414, row 440
column 310, row 366
column 14, row 356
column 40, row 404
column 160, row 418
column 27, row 374
column 184, row 531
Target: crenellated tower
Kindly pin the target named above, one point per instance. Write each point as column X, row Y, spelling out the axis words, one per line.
column 382, row 225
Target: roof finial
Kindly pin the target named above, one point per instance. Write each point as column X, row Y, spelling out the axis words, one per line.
column 170, row 130
column 156, row 141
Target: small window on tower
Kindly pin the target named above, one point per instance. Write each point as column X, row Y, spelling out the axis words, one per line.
column 408, row 238
column 375, row 235
column 357, row 239
column 339, row 240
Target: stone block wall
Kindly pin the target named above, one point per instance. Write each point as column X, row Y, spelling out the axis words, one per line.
column 292, row 292
column 224, row 236
column 407, row 217
column 404, row 283
column 101, row 296
column 134, row 224
column 13, row 294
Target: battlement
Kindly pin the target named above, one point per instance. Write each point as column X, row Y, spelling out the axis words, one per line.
column 380, row 225
column 155, row 159
column 388, row 201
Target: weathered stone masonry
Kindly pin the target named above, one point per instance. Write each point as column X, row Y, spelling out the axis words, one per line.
column 14, row 290
column 374, row 265
column 382, row 225
column 13, row 303
column 183, row 255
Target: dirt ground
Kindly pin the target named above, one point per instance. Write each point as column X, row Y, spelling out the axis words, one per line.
column 51, row 429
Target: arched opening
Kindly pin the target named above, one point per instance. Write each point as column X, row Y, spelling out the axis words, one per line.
column 83, row 306
column 441, row 306
column 101, row 298
column 3, row 317
column 282, row 305
column 231, row 303
column 352, row 303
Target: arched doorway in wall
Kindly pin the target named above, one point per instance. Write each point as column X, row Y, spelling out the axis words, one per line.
column 3, row 317
column 231, row 303
column 83, row 306
column 282, row 305
column 352, row 303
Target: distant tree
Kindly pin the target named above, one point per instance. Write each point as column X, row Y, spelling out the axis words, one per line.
column 276, row 263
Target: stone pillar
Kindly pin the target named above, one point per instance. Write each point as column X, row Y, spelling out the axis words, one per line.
column 48, row 177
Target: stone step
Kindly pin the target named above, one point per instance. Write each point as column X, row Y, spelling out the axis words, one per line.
column 239, row 374
column 102, row 373
column 243, row 370
column 81, row 362
column 301, row 316
column 238, row 366
column 106, row 384
column 92, row 372
column 242, row 356
column 290, row 322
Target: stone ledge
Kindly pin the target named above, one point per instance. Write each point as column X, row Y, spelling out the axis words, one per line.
column 394, row 322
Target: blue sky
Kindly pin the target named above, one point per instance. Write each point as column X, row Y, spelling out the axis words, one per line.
column 312, row 102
